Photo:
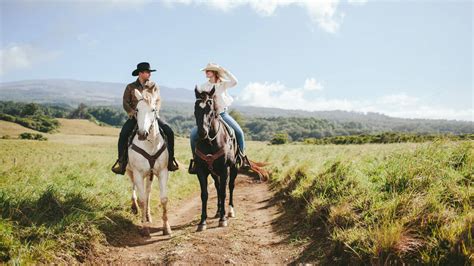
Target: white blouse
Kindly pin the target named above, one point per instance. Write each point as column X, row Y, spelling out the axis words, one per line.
column 223, row 99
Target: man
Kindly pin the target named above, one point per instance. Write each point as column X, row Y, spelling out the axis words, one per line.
column 143, row 81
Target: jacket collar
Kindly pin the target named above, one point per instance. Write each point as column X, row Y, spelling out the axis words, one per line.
column 138, row 84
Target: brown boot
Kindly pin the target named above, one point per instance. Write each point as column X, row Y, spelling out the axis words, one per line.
column 173, row 165
column 119, row 167
column 192, row 167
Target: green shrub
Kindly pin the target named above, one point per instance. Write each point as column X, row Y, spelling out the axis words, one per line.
column 279, row 138
column 388, row 137
column 32, row 136
column 40, row 123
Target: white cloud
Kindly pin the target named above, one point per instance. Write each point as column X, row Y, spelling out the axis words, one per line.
column 357, row 2
column 114, row 4
column 310, row 84
column 277, row 95
column 23, row 56
column 323, row 13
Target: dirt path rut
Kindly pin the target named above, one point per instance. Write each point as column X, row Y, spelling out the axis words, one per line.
column 251, row 236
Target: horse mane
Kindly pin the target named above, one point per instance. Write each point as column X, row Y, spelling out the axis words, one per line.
column 148, row 95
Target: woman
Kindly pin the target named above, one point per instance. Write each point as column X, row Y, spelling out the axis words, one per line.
column 221, row 79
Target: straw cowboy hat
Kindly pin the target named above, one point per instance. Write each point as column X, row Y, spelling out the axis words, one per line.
column 215, row 67
column 143, row 66
column 212, row 67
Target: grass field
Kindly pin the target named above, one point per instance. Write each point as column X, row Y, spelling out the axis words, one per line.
column 355, row 203
column 379, row 203
column 58, row 198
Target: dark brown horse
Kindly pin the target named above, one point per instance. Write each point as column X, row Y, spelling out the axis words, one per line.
column 216, row 154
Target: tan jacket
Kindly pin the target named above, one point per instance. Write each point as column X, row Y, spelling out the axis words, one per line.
column 130, row 101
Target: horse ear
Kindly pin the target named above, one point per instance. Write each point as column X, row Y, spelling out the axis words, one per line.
column 138, row 94
column 154, row 88
column 196, row 92
column 212, row 91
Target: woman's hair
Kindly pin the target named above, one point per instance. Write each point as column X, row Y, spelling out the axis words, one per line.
column 217, row 75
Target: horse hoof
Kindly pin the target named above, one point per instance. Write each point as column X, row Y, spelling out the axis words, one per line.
column 167, row 232
column 145, row 232
column 134, row 209
column 223, row 223
column 231, row 213
column 201, row 227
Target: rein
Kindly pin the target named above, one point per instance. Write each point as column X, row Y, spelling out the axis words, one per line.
column 215, row 135
column 152, row 121
column 151, row 158
column 212, row 157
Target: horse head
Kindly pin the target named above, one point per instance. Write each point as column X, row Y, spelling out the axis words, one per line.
column 145, row 112
column 204, row 111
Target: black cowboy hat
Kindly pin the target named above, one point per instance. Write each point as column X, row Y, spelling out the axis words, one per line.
column 143, row 66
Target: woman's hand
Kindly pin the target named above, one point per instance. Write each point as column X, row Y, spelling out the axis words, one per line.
column 223, row 69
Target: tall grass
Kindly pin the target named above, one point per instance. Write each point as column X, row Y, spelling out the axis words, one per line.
column 373, row 203
column 381, row 204
column 58, row 200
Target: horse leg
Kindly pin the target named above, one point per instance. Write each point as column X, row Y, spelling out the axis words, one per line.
column 233, row 175
column 216, row 185
column 134, row 201
column 134, row 207
column 164, row 200
column 203, row 183
column 148, row 199
column 222, row 192
column 142, row 201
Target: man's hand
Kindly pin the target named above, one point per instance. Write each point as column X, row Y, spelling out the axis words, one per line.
column 132, row 114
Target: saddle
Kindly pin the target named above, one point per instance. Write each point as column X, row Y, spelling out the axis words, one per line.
column 229, row 129
column 239, row 155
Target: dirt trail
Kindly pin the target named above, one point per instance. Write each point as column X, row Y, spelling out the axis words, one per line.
column 251, row 236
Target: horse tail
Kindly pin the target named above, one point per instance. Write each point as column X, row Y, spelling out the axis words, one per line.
column 260, row 164
column 257, row 167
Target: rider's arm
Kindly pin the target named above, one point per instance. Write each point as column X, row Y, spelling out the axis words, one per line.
column 126, row 101
column 232, row 80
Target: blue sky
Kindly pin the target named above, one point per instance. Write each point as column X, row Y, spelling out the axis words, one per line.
column 407, row 59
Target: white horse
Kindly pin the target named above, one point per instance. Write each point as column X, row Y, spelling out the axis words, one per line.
column 148, row 157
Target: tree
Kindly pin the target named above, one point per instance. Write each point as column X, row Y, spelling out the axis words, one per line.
column 279, row 138
column 239, row 118
column 30, row 109
column 80, row 112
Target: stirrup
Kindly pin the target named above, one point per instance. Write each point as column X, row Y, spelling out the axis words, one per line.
column 119, row 168
column 192, row 167
column 173, row 165
column 245, row 163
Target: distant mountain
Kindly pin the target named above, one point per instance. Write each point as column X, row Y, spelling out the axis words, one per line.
column 177, row 100
column 73, row 92
column 260, row 122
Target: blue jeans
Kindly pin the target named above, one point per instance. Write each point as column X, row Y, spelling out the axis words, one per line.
column 239, row 134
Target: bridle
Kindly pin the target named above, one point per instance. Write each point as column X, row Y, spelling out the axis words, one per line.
column 152, row 120
column 210, row 158
column 150, row 158
column 211, row 117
